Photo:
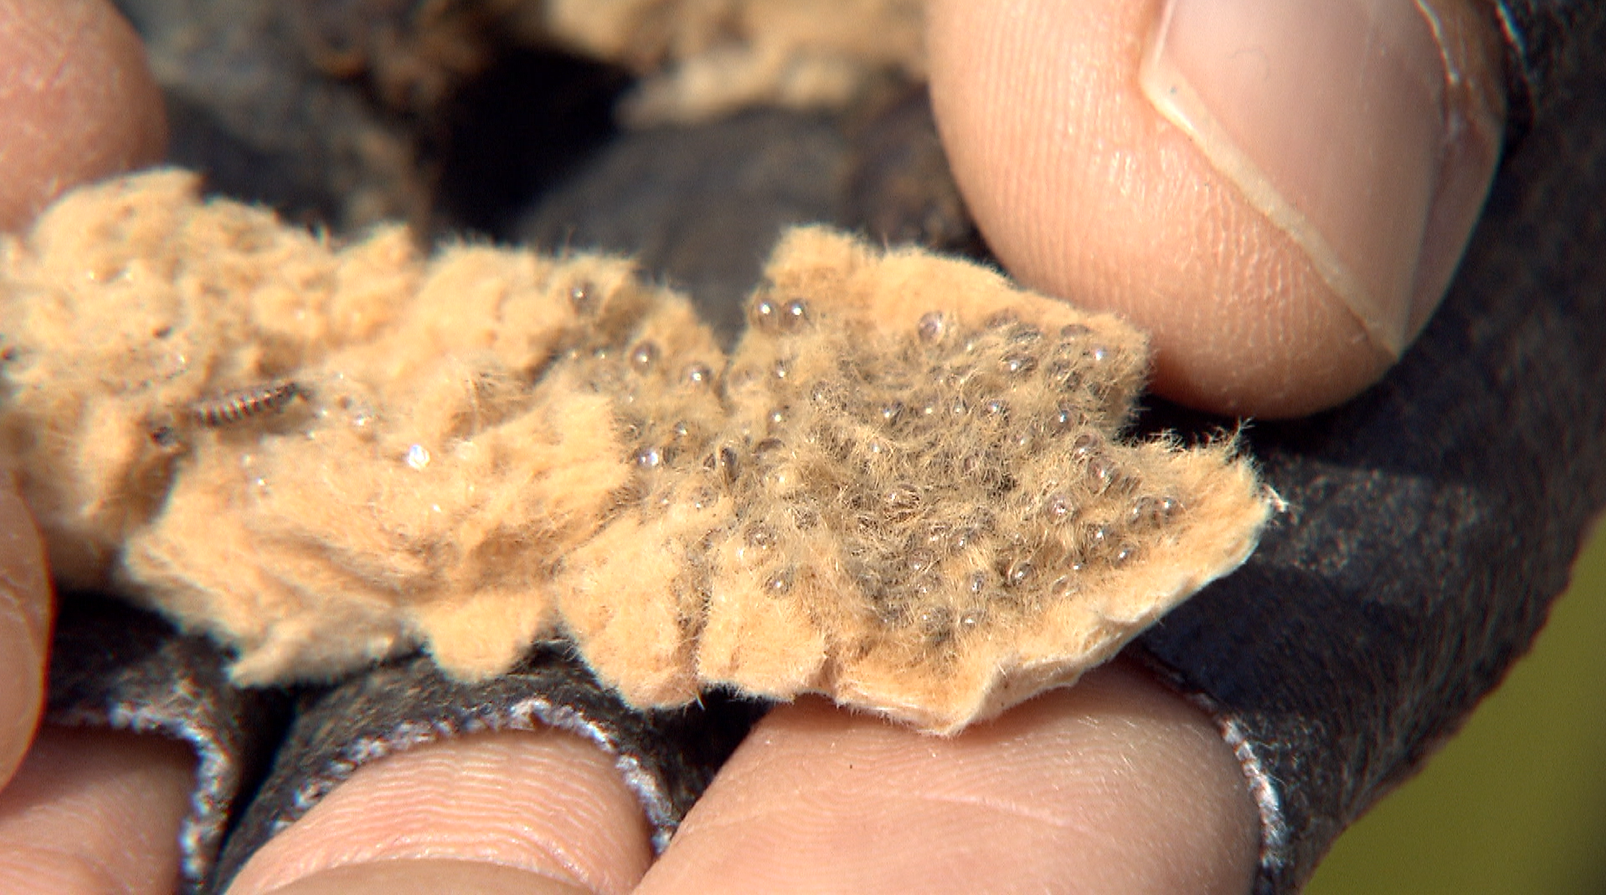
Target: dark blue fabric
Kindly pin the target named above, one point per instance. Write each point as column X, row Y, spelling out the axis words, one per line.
column 1551, row 41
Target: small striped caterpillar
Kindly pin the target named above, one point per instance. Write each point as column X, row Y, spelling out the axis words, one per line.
column 234, row 406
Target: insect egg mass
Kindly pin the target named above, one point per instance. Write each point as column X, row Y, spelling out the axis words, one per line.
column 906, row 487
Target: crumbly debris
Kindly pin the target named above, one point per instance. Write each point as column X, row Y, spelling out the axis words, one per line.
column 905, row 488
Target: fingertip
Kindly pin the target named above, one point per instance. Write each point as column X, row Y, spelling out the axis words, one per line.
column 424, row 876
column 1273, row 293
column 531, row 811
column 94, row 811
column 78, row 99
column 25, row 615
column 1115, row 784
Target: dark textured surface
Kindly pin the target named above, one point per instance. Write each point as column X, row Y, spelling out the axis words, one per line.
column 252, row 112
column 899, row 188
column 122, row 668
column 700, row 206
column 667, row 758
column 1431, row 522
column 1552, row 42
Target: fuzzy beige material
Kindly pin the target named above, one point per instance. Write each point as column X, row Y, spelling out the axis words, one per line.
column 905, row 488
column 707, row 58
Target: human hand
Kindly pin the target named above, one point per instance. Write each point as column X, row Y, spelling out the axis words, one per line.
column 1085, row 190
column 84, row 811
column 1117, row 785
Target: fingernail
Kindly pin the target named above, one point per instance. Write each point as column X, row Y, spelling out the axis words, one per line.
column 1367, row 130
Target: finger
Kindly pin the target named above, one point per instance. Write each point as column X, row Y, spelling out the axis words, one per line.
column 25, row 609
column 1115, row 785
column 77, row 100
column 1279, row 193
column 538, row 811
column 92, row 811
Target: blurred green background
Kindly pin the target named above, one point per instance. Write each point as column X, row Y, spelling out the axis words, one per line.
column 1516, row 803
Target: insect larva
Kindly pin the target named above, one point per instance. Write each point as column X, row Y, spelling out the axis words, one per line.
column 246, row 402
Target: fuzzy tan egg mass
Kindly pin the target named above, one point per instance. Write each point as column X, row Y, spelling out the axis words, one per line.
column 907, row 487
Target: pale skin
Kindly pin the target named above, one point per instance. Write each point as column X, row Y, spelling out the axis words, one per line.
column 1116, row 785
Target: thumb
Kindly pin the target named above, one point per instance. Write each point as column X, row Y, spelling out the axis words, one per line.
column 1278, row 190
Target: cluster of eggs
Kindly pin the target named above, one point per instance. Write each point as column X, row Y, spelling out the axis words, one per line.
column 908, row 486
